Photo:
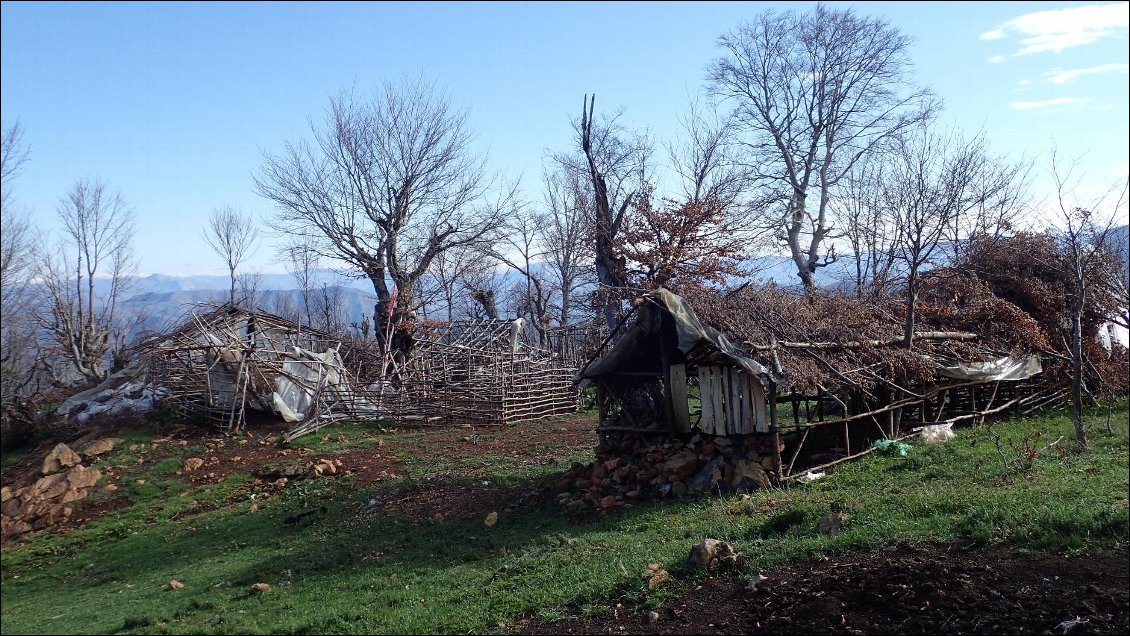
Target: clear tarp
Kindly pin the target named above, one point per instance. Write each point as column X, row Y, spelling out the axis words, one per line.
column 1006, row 368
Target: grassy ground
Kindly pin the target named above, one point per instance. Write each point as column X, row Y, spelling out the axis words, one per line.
column 341, row 569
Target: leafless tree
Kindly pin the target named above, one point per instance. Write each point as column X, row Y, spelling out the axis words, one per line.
column 522, row 252
column 932, row 183
column 13, row 154
column 861, row 211
column 614, row 162
column 329, row 309
column 87, row 274
column 1086, row 240
column 248, row 285
column 284, row 305
column 563, row 228
column 15, row 226
column 705, row 157
column 812, row 94
column 452, row 276
column 387, row 184
column 18, row 347
column 485, row 288
column 232, row 235
column 302, row 260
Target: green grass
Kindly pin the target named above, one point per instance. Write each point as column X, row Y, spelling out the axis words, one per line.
column 339, row 570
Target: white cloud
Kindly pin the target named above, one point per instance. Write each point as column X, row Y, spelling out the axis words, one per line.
column 1061, row 29
column 1048, row 104
column 1058, row 76
column 997, row 59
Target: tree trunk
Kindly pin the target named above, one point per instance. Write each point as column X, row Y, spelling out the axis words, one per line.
column 911, row 304
column 805, row 269
column 1077, row 368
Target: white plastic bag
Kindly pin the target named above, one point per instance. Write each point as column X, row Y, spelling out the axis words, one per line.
column 936, row 433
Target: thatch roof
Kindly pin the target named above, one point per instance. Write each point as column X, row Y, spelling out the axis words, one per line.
column 825, row 340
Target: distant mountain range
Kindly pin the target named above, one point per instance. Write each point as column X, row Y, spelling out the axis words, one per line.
column 165, row 299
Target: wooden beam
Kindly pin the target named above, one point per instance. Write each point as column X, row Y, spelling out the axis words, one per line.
column 679, row 398
column 926, row 335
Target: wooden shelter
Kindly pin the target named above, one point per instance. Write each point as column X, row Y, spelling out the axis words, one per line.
column 220, row 362
column 826, row 374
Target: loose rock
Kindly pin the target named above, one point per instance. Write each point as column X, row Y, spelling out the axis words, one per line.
column 101, row 446
column 59, row 458
column 713, row 554
column 832, row 523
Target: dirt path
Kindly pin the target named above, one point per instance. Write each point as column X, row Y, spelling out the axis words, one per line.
column 940, row 589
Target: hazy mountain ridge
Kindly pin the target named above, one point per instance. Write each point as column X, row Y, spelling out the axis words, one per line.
column 165, row 299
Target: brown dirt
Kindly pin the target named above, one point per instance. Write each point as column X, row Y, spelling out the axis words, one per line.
column 258, row 448
column 944, row 589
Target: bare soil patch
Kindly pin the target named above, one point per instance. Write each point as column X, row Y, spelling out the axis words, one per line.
column 258, row 450
column 933, row 589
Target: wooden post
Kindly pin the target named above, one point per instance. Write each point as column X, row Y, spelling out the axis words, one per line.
column 782, row 471
column 665, row 350
column 601, row 402
column 682, row 414
column 706, row 399
column 777, row 453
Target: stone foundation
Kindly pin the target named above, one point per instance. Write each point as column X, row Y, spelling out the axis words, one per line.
column 632, row 466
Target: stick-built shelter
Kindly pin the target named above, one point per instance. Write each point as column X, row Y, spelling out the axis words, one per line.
column 482, row 371
column 824, row 373
column 221, row 362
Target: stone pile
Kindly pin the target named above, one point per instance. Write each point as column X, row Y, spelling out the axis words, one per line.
column 282, row 474
column 630, row 466
column 45, row 502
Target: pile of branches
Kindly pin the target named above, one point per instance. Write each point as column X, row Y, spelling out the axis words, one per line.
column 826, row 338
column 1030, row 272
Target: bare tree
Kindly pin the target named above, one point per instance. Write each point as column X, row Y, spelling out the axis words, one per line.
column 15, row 226
column 248, row 285
column 868, row 226
column 1086, row 237
column 614, row 163
column 302, row 260
column 705, row 157
column 485, row 288
column 18, row 347
column 933, row 181
column 87, row 274
column 521, row 251
column 329, row 309
column 450, row 275
column 387, row 184
column 812, row 94
column 563, row 229
column 232, row 235
column 13, row 154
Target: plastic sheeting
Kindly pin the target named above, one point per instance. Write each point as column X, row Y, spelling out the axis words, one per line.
column 298, row 385
column 689, row 330
column 126, row 390
column 1006, row 368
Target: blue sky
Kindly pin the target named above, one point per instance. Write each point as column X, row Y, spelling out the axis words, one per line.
column 175, row 104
